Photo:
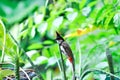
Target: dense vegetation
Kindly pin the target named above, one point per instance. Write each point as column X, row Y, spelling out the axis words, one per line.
column 27, row 39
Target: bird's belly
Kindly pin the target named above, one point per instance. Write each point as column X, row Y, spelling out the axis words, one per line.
column 63, row 50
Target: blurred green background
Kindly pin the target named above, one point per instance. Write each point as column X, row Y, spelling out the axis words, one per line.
column 89, row 26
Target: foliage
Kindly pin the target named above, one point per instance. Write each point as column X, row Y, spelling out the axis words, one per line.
column 89, row 26
column 4, row 73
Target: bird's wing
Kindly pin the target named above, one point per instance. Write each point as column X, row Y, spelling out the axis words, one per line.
column 67, row 50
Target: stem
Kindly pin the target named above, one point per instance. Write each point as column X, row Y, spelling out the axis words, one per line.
column 34, row 67
column 4, row 42
column 80, row 61
column 110, row 63
column 63, row 65
column 17, row 68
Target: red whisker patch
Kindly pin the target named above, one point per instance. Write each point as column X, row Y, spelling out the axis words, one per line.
column 70, row 59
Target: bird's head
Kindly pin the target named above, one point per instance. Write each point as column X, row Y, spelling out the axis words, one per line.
column 59, row 39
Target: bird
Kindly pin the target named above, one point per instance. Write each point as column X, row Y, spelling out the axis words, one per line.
column 66, row 50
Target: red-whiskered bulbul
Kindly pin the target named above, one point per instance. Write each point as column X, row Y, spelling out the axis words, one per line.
column 65, row 49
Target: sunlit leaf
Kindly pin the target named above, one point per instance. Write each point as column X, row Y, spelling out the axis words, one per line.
column 82, row 3
column 102, row 65
column 109, row 18
column 103, row 13
column 51, row 62
column 42, row 28
column 48, row 42
column 2, row 35
column 35, row 78
column 117, row 38
column 24, row 33
column 32, row 32
column 90, row 76
column 69, row 9
column 117, row 20
column 41, row 60
column 31, row 53
column 102, row 76
column 81, row 32
column 57, row 22
column 72, row 16
column 35, row 46
column 6, row 72
column 82, row 22
column 86, row 11
column 9, row 45
column 46, row 52
column 111, row 43
column 38, row 18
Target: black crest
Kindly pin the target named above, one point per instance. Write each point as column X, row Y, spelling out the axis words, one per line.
column 58, row 37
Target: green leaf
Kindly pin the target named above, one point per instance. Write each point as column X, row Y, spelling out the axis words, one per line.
column 109, row 18
column 6, row 72
column 38, row 18
column 82, row 4
column 51, row 62
column 75, row 5
column 46, row 52
column 33, row 54
column 72, row 16
column 103, row 13
column 15, row 11
column 102, row 65
column 92, row 3
column 35, row 78
column 35, row 46
column 2, row 35
column 48, row 42
column 42, row 28
column 90, row 76
column 41, row 60
column 86, row 11
column 32, row 34
column 9, row 45
column 116, row 20
column 6, row 65
column 58, row 21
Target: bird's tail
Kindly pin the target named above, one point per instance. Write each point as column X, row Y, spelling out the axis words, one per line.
column 73, row 69
column 71, row 59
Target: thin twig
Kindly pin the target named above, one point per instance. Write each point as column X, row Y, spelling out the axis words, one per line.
column 63, row 65
column 58, row 62
column 80, row 61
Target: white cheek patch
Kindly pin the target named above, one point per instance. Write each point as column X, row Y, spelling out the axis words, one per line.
column 59, row 41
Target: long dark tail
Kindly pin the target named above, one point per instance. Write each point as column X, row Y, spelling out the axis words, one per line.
column 73, row 69
column 72, row 61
